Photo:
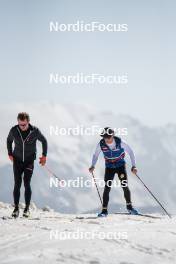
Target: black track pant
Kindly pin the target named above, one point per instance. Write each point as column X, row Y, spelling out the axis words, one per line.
column 22, row 168
column 108, row 178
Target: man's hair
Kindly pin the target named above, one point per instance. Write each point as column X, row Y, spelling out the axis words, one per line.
column 23, row 116
column 107, row 132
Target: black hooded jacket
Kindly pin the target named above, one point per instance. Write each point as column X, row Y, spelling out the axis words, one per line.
column 25, row 149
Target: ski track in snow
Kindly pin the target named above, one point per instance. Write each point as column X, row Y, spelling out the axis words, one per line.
column 26, row 240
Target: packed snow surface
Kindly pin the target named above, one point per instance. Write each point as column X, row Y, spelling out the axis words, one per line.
column 50, row 237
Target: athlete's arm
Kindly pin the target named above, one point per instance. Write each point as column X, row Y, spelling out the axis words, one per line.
column 95, row 157
column 9, row 144
column 130, row 152
column 43, row 140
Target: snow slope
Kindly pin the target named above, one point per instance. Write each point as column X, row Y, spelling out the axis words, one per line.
column 139, row 239
column 70, row 156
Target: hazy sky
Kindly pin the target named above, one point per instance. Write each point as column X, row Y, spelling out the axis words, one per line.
column 29, row 53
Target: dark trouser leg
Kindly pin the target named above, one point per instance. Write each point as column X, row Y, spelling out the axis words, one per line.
column 109, row 176
column 18, row 171
column 122, row 174
column 28, row 171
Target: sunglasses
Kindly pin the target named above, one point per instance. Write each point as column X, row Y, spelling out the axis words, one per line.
column 23, row 125
column 107, row 137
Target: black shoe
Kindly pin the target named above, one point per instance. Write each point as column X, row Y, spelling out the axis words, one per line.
column 103, row 213
column 16, row 212
column 129, row 206
column 26, row 212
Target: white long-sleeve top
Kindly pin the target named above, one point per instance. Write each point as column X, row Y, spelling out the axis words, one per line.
column 112, row 146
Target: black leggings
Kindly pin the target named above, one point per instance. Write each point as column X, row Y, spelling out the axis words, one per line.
column 19, row 169
column 109, row 176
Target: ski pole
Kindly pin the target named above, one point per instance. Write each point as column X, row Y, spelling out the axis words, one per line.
column 154, row 196
column 51, row 172
column 97, row 188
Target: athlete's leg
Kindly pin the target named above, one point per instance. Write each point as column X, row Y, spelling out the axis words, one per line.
column 122, row 174
column 108, row 178
column 18, row 171
column 28, row 171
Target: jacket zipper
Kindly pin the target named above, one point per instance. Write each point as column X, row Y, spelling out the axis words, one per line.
column 23, row 141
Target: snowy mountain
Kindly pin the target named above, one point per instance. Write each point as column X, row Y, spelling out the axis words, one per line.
column 53, row 237
column 70, row 156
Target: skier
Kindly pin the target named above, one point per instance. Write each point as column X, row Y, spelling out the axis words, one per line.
column 114, row 149
column 24, row 137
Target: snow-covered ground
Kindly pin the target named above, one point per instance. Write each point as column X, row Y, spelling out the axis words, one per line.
column 116, row 239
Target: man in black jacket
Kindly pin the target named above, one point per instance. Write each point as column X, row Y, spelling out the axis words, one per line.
column 24, row 137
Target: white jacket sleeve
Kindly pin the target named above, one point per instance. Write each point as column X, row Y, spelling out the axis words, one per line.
column 96, row 155
column 130, row 152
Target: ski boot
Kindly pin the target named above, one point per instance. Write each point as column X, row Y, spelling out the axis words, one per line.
column 103, row 213
column 16, row 212
column 131, row 210
column 26, row 212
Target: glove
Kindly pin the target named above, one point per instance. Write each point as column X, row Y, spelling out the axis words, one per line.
column 42, row 160
column 134, row 170
column 91, row 169
column 11, row 157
